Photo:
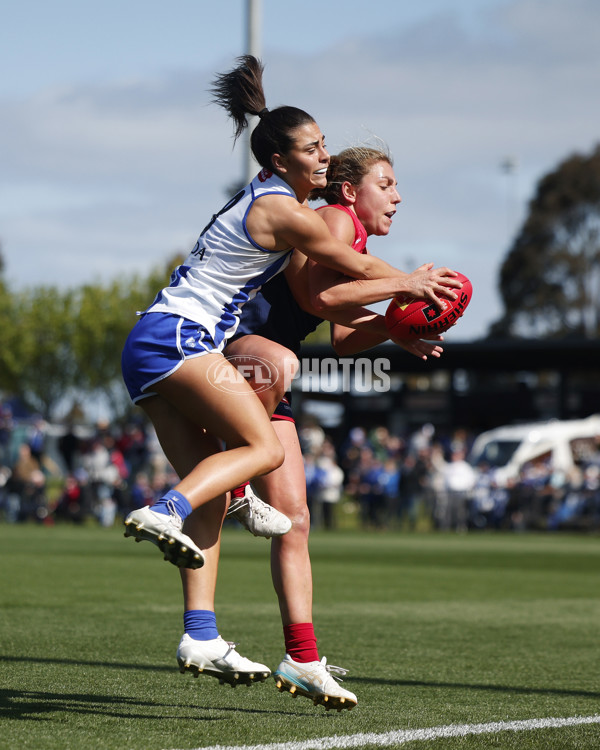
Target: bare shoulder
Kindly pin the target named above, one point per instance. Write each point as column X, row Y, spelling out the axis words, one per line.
column 267, row 217
column 338, row 222
column 273, row 209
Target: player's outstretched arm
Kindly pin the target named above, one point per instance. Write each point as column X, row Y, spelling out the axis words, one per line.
column 354, row 329
column 331, row 290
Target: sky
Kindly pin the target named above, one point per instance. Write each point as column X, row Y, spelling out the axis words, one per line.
column 112, row 157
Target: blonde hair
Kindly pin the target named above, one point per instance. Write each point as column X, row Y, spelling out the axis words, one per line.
column 350, row 165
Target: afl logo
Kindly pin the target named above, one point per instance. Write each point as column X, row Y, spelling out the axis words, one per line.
column 227, row 374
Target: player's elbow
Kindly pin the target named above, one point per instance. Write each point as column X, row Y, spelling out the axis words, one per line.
column 341, row 343
column 320, row 302
column 329, row 299
column 337, row 344
column 342, row 349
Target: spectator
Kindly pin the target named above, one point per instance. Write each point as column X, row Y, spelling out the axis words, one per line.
column 103, row 473
column 328, row 480
column 390, row 483
column 379, row 439
column 413, row 485
column 74, row 503
column 351, row 450
column 7, row 502
column 133, row 444
column 142, row 492
column 489, row 500
column 369, row 482
column 459, row 482
column 6, row 430
column 311, row 436
column 27, row 487
column 69, row 446
column 37, row 438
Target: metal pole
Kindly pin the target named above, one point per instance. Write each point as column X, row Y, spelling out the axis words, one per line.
column 510, row 167
column 253, row 47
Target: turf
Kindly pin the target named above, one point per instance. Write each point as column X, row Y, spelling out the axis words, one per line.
column 435, row 630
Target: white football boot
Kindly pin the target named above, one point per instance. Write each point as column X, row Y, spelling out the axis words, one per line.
column 165, row 532
column 218, row 658
column 260, row 518
column 314, row 680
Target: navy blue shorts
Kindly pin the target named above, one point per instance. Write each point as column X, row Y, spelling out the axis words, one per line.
column 283, row 410
column 159, row 344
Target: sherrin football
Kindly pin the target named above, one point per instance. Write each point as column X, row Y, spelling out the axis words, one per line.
column 410, row 318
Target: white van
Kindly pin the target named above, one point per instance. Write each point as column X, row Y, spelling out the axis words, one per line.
column 508, row 449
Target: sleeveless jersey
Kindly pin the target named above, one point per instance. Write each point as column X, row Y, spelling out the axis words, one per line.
column 274, row 313
column 226, row 267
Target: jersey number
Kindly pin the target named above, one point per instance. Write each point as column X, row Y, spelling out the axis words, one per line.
column 230, row 204
column 198, row 251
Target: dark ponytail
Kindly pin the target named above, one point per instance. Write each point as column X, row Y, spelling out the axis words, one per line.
column 240, row 92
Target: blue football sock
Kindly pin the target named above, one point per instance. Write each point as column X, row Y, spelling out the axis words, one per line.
column 173, row 499
column 200, row 624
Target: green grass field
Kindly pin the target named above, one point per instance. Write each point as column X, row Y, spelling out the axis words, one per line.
column 436, row 630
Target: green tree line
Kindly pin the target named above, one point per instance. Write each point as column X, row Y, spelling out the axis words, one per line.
column 55, row 342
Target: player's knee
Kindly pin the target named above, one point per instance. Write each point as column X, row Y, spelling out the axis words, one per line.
column 291, row 501
column 278, row 455
column 300, row 518
column 286, row 364
column 271, row 455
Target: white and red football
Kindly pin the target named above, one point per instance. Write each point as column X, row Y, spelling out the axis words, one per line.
column 410, row 318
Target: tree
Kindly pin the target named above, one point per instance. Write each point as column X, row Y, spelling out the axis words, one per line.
column 105, row 316
column 550, row 280
column 40, row 352
column 9, row 363
column 56, row 345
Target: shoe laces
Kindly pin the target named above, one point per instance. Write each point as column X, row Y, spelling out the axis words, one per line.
column 230, row 654
column 258, row 508
column 336, row 672
column 239, row 503
column 176, row 519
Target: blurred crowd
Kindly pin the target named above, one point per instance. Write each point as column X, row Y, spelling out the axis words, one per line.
column 417, row 481
column 424, row 480
column 75, row 473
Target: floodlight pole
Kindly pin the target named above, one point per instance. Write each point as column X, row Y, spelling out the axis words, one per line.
column 253, row 47
column 510, row 166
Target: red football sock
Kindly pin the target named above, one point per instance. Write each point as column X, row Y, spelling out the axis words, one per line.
column 240, row 490
column 301, row 642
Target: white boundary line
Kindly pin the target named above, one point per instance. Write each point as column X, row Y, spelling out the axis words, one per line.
column 402, row 736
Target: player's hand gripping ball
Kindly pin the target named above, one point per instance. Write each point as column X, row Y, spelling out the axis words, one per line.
column 410, row 318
